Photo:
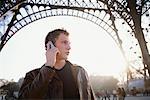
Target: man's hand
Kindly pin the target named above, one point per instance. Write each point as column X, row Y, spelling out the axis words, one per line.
column 51, row 53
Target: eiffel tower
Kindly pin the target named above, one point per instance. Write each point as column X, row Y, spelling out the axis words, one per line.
column 16, row 14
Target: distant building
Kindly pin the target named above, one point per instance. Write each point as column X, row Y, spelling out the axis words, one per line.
column 138, row 83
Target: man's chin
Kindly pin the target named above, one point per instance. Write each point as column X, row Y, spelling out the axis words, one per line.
column 65, row 58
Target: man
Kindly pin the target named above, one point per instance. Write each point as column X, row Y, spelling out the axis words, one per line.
column 57, row 78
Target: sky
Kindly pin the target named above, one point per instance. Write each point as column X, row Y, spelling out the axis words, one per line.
column 91, row 47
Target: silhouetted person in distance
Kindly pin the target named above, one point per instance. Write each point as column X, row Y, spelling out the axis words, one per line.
column 134, row 93
column 119, row 94
column 58, row 78
column 123, row 93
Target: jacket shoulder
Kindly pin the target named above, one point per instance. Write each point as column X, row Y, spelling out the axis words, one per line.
column 75, row 65
column 78, row 67
column 33, row 72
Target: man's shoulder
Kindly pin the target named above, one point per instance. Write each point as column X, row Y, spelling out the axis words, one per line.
column 76, row 65
column 33, row 72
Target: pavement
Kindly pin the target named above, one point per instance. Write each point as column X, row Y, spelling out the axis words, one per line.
column 137, row 98
column 126, row 98
column 130, row 98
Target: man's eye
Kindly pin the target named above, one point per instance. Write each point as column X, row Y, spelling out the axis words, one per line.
column 64, row 42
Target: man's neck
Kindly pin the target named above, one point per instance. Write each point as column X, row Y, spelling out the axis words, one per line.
column 60, row 64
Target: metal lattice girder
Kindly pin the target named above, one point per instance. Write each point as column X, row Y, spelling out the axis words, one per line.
column 37, row 9
column 7, row 5
column 32, row 10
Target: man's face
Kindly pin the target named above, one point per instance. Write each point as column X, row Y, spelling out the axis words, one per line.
column 63, row 44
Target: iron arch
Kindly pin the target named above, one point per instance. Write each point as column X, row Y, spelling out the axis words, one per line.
column 100, row 12
column 28, row 13
column 113, row 8
column 108, row 28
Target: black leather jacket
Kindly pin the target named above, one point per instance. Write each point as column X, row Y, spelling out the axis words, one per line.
column 44, row 83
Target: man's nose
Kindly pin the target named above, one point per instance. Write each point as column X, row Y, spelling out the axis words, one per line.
column 68, row 47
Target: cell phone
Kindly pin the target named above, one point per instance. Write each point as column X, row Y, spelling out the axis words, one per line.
column 51, row 45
